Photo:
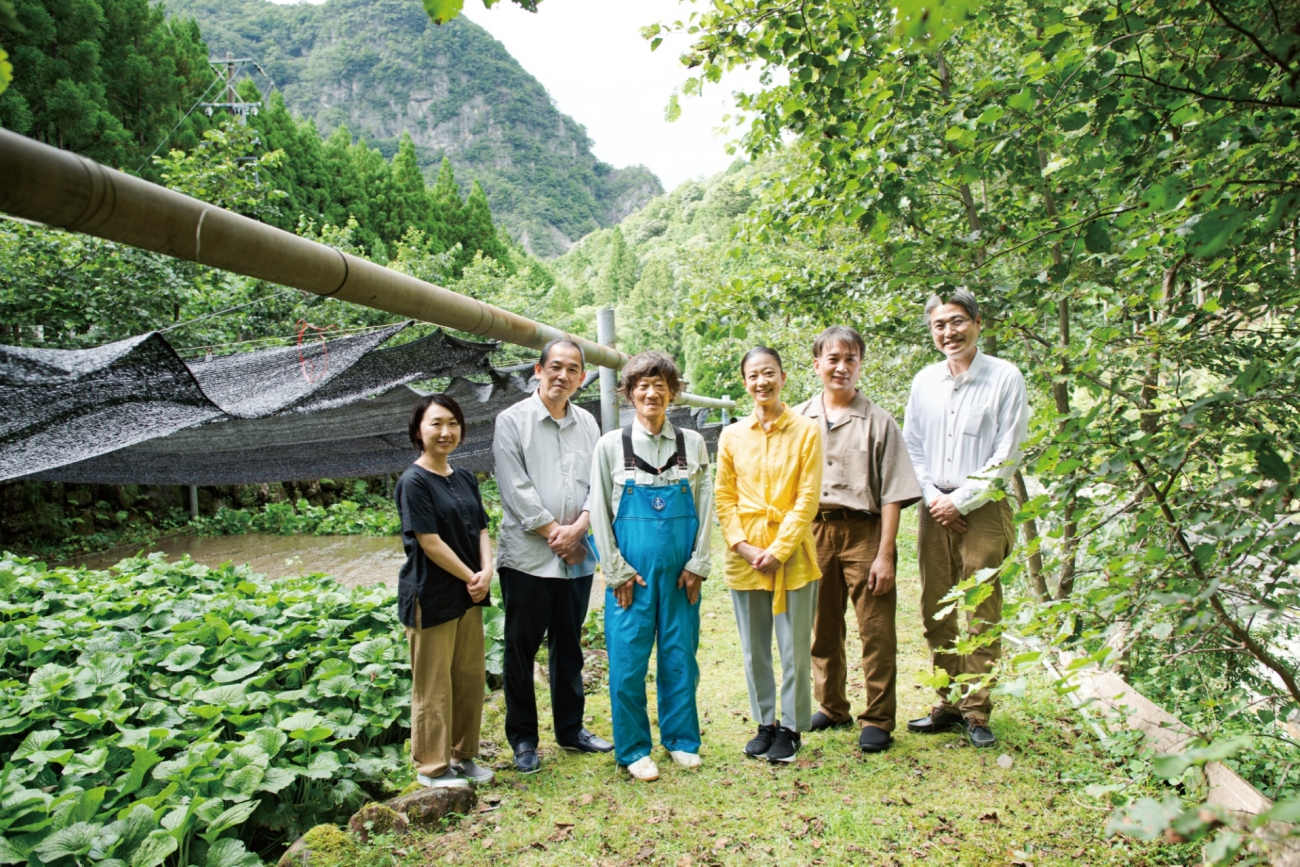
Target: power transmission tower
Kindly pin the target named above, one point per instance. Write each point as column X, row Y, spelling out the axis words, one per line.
column 227, row 69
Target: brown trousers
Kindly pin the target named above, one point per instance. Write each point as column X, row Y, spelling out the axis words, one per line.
column 946, row 559
column 447, row 681
column 845, row 552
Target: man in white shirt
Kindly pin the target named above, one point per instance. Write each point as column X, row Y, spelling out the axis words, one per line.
column 964, row 426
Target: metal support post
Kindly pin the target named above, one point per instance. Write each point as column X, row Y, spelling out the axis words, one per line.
column 194, row 501
column 726, row 410
column 608, row 381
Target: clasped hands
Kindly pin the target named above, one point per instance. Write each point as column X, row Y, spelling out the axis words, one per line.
column 943, row 510
column 568, row 541
column 760, row 558
column 478, row 585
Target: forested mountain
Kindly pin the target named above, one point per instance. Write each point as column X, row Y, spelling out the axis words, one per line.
column 380, row 68
column 105, row 79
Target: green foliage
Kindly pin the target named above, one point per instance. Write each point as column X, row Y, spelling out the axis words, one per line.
column 107, row 78
column 1120, row 187
column 442, row 11
column 221, row 171
column 371, row 516
column 75, row 291
column 345, row 518
column 171, row 711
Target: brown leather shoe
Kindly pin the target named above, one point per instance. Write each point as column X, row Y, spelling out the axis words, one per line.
column 938, row 720
column 978, row 731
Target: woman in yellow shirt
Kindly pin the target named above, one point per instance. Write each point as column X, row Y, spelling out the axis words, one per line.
column 767, row 491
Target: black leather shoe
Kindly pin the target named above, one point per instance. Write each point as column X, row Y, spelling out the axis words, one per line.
column 821, row 722
column 979, row 733
column 938, row 720
column 588, row 743
column 874, row 740
column 526, row 761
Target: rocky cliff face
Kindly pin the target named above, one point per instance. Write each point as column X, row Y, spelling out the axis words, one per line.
column 381, row 68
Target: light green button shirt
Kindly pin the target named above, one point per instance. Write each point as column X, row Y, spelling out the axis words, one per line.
column 608, row 477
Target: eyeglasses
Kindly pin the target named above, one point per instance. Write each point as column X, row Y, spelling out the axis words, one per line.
column 956, row 323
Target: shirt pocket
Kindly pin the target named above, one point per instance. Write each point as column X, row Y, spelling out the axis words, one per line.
column 976, row 419
column 578, row 468
column 853, row 472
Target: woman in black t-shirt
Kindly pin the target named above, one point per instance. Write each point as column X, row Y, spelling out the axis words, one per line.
column 441, row 592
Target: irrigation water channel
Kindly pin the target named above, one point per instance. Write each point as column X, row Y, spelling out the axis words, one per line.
column 354, row 561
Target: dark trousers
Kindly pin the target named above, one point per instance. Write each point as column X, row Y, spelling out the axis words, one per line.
column 556, row 608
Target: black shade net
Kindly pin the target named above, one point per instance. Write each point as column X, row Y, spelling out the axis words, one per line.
column 134, row 412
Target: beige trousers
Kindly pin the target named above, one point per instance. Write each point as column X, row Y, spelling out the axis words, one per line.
column 447, row 681
column 946, row 559
column 845, row 552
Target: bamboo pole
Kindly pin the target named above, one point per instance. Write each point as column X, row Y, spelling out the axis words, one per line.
column 62, row 189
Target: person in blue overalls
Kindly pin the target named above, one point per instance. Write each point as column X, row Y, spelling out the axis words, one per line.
column 651, row 503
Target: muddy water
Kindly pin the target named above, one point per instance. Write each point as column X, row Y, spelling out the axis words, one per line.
column 354, row 561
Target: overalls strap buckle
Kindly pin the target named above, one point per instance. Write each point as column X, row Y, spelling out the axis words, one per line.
column 633, row 462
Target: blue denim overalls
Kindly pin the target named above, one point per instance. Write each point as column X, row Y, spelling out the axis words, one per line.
column 655, row 531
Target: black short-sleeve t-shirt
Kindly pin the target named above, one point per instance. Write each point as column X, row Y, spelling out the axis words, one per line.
column 451, row 507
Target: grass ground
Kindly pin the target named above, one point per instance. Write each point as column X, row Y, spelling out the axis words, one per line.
column 931, row 799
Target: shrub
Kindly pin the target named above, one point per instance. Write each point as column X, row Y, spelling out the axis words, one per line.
column 174, row 712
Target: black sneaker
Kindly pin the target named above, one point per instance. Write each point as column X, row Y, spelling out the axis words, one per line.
column 761, row 743
column 873, row 739
column 821, row 722
column 784, row 746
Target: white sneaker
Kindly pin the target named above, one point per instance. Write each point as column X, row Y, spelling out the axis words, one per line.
column 477, row 775
column 685, row 759
column 644, row 769
column 449, row 780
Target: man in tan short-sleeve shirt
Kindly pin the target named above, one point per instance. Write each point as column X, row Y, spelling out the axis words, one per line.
column 867, row 481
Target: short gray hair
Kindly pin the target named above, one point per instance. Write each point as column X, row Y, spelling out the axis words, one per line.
column 963, row 298
column 561, row 341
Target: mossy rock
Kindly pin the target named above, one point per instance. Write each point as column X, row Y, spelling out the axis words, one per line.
column 322, row 846
column 377, row 819
column 426, row 808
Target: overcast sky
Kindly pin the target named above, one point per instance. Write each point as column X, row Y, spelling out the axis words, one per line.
column 590, row 56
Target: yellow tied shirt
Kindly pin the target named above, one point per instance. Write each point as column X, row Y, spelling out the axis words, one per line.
column 767, row 490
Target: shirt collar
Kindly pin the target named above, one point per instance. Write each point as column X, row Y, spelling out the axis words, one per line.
column 668, row 430
column 976, row 366
column 781, row 421
column 544, row 414
column 859, row 407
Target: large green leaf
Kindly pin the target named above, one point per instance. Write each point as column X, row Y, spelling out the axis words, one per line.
column 243, row 782
column 183, row 658
column 229, row 674
column 230, row 818
column 154, row 850
column 1214, row 231
column 442, row 11
column 230, row 853
column 70, row 842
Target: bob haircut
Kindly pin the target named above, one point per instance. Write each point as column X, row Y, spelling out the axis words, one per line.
column 422, row 406
column 546, row 351
column 755, row 353
column 839, row 335
column 652, row 362
column 963, row 298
